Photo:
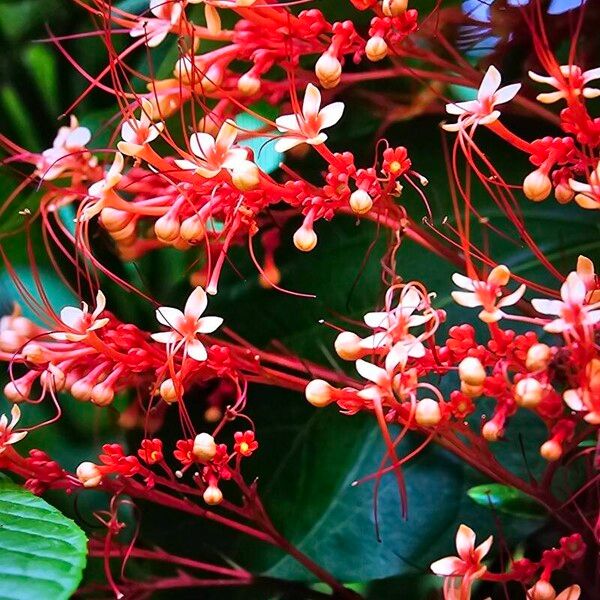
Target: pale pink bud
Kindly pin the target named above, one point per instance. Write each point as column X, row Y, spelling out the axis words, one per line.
column 205, row 447
column 245, row 176
column 81, row 390
column 537, row 186
column 471, row 371
column 53, row 377
column 428, row 413
column 538, row 357
column 166, row 228
column 89, row 474
column 113, row 219
column 18, row 390
column 360, row 202
column 542, row 590
column 305, row 238
column 563, row 193
column 528, row 392
column 212, row 495
column 248, row 84
column 347, row 345
column 168, row 392
column 192, row 229
column 376, row 48
column 551, row 450
column 318, row 393
column 102, row 394
column 491, row 431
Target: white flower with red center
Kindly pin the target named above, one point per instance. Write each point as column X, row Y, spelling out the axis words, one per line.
column 138, row 132
column 213, row 153
column 588, row 194
column 461, row 570
column 487, row 294
column 572, row 83
column 80, row 321
column 167, row 12
column 572, row 310
column 69, row 145
column 483, row 110
column 7, row 434
column 185, row 326
column 101, row 191
column 307, row 127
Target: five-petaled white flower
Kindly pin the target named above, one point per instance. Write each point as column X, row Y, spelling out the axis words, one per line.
column 487, row 294
column 214, row 154
column 483, row 110
column 100, row 191
column 69, row 145
column 79, row 320
column 7, row 435
column 185, row 326
column 572, row 83
column 306, row 128
column 167, row 13
column 572, row 311
column 138, row 132
column 461, row 570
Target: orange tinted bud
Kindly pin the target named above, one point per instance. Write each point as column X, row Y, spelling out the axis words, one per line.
column 192, row 228
column 113, row 219
column 245, row 176
column 376, row 48
column 89, row 474
column 305, row 238
column 318, row 393
column 213, row 414
column 81, row 390
column 328, row 69
column 168, row 392
column 102, row 395
column 491, row 431
column 360, row 202
column 537, row 186
column 472, row 391
column 563, row 193
column 542, row 590
column 499, row 275
column 248, row 84
column 205, row 447
column 166, row 229
column 272, row 276
column 212, row 495
column 34, row 353
column 394, row 8
column 347, row 345
column 471, row 371
column 428, row 413
column 528, row 392
column 538, row 357
column 551, row 450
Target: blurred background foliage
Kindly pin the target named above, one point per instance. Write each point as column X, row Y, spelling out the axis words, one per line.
column 307, row 458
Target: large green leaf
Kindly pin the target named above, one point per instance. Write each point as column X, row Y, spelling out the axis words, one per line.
column 42, row 553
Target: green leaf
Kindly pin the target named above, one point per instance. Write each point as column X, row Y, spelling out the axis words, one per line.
column 506, row 499
column 42, row 553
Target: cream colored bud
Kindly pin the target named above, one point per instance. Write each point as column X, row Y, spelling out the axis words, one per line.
column 472, row 391
column 81, row 390
column 34, row 353
column 168, row 392
column 376, row 48
column 205, row 447
column 329, row 84
column 212, row 495
column 318, row 393
column 537, row 186
column 192, row 229
column 471, row 371
column 113, row 219
column 245, row 176
column 491, row 431
column 428, row 413
column 328, row 68
column 347, row 345
column 305, row 238
column 360, row 202
column 538, row 357
column 166, row 228
column 89, row 474
column 394, row 8
column 102, row 395
column 551, row 450
column 563, row 193
column 248, row 84
column 542, row 590
column 528, row 392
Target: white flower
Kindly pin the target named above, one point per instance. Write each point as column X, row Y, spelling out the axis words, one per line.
column 79, row 320
column 100, row 190
column 214, row 154
column 572, row 312
column 68, row 145
column 185, row 326
column 306, row 128
column 7, row 435
column 483, row 110
column 168, row 13
column 572, row 82
column 486, row 294
column 138, row 132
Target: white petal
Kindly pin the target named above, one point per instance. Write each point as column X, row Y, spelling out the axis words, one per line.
column 170, row 317
column 312, row 102
column 467, row 299
column 550, row 97
column 371, row 372
column 377, row 340
column 459, row 108
column 100, row 304
column 573, row 400
column 465, row 541
column 547, row 307
column 318, row 139
column 195, row 349
column 196, row 303
column 573, row 290
column 165, row 337
column 287, row 123
column 71, row 316
column 226, row 136
column 202, row 144
column 209, row 324
column 287, row 143
column 463, row 282
column 577, row 186
column 512, row 298
column 489, row 84
column 129, row 131
column 234, row 157
column 377, row 319
column 329, row 115
column 186, row 165
column 507, row 93
column 543, row 79
column 451, row 565
column 78, row 138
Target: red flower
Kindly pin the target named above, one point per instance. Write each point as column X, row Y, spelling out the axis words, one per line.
column 184, row 451
column 151, row 451
column 245, row 444
column 396, row 161
column 116, row 461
